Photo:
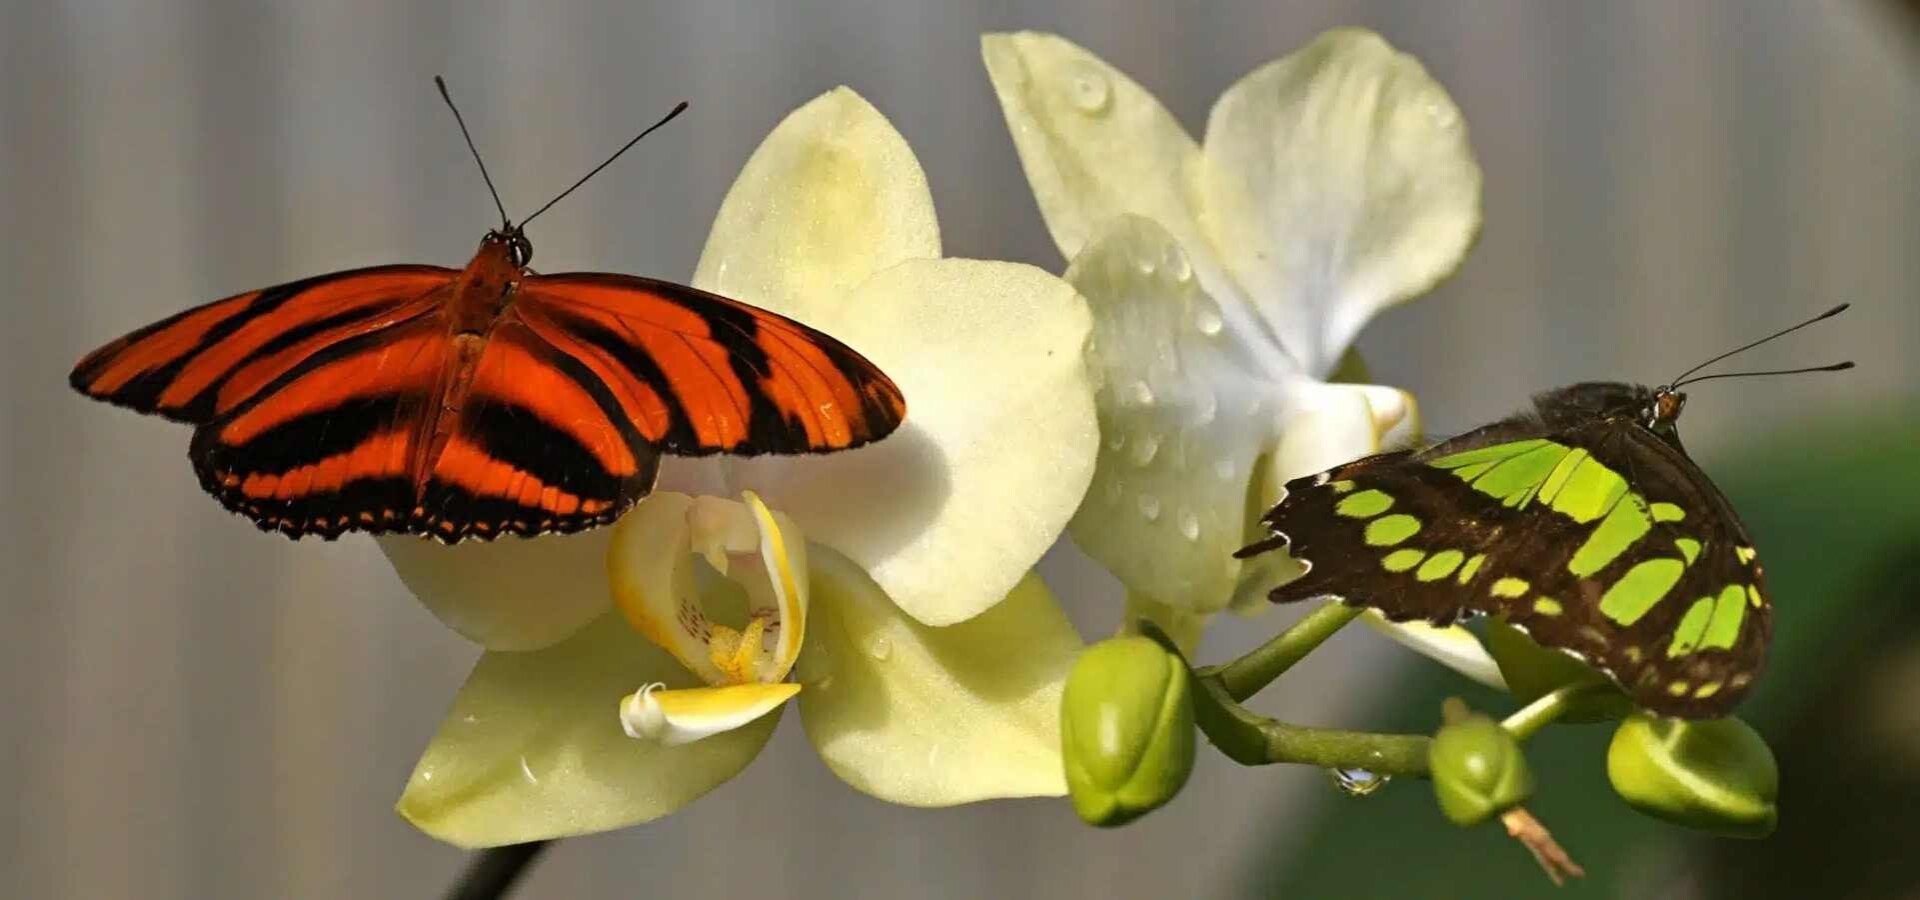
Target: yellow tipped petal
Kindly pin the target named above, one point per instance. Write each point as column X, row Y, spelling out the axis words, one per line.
column 534, row 747
column 1095, row 145
column 784, row 553
column 1340, row 181
column 929, row 716
column 675, row 717
column 950, row 512
column 511, row 593
column 1453, row 646
column 833, row 195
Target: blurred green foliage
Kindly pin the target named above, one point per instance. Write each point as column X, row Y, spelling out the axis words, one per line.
column 1835, row 510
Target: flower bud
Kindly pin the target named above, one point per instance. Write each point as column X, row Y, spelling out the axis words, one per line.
column 1478, row 770
column 1715, row 775
column 1126, row 729
column 1532, row 671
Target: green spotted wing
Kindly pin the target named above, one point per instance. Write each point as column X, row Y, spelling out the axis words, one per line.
column 1577, row 523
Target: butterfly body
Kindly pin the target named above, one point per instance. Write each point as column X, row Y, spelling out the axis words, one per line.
column 1582, row 522
column 479, row 401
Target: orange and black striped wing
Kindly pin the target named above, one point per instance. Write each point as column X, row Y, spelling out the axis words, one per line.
column 209, row 360
column 332, row 445
column 697, row 373
column 538, row 444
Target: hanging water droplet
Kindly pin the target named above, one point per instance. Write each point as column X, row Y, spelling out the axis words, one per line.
column 1142, row 394
column 1207, row 319
column 1149, row 507
column 1091, row 92
column 1145, row 449
column 1189, row 525
column 1358, row 782
column 880, row 647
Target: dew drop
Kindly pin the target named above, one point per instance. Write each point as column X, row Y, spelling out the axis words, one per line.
column 526, row 771
column 1207, row 320
column 1145, row 265
column 1116, row 440
column 1145, row 449
column 1443, row 115
column 1142, row 394
column 1223, row 468
column 1206, row 406
column 880, row 648
column 1357, row 782
column 1091, row 93
column 1189, row 525
column 1178, row 268
column 1149, row 507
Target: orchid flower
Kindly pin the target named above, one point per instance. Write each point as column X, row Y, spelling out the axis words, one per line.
column 888, row 587
column 1228, row 279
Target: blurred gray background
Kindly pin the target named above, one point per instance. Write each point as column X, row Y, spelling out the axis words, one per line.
column 196, row 709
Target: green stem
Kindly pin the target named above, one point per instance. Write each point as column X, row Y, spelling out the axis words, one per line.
column 1255, row 740
column 1529, row 719
column 1245, row 676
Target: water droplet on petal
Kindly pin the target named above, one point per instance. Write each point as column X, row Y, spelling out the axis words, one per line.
column 1149, row 507
column 1116, row 440
column 1223, row 468
column 1207, row 320
column 1189, row 525
column 1114, row 489
column 880, row 647
column 526, row 771
column 1145, row 265
column 1178, row 268
column 1443, row 115
column 1145, row 449
column 1090, row 91
column 1358, row 782
column 1142, row 394
column 1206, row 405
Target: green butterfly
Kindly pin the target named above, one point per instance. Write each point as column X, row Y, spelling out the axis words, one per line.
column 1582, row 522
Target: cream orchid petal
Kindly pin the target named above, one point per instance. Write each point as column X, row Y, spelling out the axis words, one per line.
column 928, row 716
column 675, row 717
column 533, row 748
column 950, row 512
column 1095, row 145
column 1453, row 646
column 511, row 593
column 1340, row 182
column 1184, row 414
column 833, row 195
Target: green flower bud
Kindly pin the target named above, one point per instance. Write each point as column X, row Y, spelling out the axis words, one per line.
column 1533, row 671
column 1478, row 770
column 1715, row 775
column 1126, row 729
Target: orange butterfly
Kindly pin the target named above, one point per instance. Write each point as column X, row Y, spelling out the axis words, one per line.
column 480, row 401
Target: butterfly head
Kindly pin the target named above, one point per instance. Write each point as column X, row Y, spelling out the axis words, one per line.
column 512, row 240
column 1663, row 408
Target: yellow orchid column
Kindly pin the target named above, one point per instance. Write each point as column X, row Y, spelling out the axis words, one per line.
column 889, row 588
column 1228, row 279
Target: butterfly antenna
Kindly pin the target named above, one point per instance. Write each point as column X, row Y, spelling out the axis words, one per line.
column 596, row 169
column 1781, row 333
column 442, row 84
column 1835, row 367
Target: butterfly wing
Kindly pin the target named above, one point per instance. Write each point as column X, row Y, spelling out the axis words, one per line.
column 208, row 360
column 538, row 443
column 698, row 373
column 1601, row 541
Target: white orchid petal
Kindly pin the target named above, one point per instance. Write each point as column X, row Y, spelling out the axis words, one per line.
column 533, row 748
column 951, row 511
column 929, row 716
column 1453, row 646
column 833, row 195
column 674, row 717
column 1094, row 144
column 1340, row 181
column 1183, row 417
column 511, row 593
